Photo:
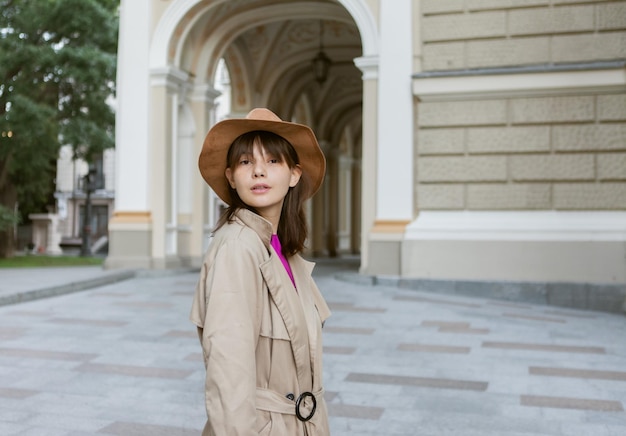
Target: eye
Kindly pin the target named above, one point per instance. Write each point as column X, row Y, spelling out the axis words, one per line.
column 244, row 161
column 271, row 159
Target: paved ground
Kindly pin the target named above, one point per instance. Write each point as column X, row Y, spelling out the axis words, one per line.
column 18, row 284
column 122, row 359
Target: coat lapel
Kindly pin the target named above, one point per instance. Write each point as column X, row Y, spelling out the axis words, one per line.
column 296, row 308
column 302, row 270
column 287, row 301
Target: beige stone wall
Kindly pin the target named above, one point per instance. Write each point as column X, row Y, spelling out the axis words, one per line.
column 458, row 34
column 563, row 153
column 554, row 152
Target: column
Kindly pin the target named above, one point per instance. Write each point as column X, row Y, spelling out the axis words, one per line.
column 131, row 119
column 332, row 199
column 395, row 114
column 203, row 108
column 131, row 224
column 355, row 204
column 166, row 83
column 369, row 67
column 395, row 176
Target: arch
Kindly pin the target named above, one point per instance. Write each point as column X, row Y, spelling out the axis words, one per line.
column 166, row 27
column 298, row 83
column 227, row 31
column 240, row 87
column 176, row 12
column 181, row 28
column 365, row 22
column 302, row 111
column 341, row 117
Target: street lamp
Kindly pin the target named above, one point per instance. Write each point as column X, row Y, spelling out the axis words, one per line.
column 89, row 186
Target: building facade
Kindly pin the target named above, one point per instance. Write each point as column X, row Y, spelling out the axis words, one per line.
column 71, row 198
column 467, row 140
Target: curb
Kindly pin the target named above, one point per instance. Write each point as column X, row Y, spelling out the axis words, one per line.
column 610, row 298
column 68, row 288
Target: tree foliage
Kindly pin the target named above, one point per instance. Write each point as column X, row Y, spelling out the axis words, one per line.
column 57, row 72
column 8, row 218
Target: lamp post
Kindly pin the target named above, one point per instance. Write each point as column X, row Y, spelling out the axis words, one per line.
column 89, row 187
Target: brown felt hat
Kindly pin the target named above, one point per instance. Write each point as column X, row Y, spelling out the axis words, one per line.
column 212, row 161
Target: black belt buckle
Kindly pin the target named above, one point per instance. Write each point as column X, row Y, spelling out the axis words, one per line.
column 302, row 396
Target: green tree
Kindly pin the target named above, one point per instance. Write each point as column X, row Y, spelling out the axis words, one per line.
column 57, row 71
column 8, row 218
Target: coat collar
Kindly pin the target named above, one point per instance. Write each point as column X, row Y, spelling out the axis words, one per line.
column 260, row 225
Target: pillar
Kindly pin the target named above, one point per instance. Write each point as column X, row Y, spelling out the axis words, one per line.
column 369, row 67
column 394, row 148
column 167, row 84
column 130, row 239
column 203, row 109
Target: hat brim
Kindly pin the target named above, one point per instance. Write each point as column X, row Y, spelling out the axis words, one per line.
column 212, row 161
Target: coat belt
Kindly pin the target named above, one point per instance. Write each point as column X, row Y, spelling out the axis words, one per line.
column 272, row 401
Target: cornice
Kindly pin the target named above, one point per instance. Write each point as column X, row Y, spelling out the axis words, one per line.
column 531, row 81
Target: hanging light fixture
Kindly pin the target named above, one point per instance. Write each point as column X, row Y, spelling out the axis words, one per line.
column 321, row 62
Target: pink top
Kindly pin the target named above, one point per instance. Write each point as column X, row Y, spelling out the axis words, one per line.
column 279, row 250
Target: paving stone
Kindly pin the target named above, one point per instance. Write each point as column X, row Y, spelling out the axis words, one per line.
column 123, row 359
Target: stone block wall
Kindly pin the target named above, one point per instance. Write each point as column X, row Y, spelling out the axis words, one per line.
column 541, row 153
column 521, row 152
column 461, row 34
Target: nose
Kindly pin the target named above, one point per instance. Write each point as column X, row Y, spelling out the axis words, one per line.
column 259, row 168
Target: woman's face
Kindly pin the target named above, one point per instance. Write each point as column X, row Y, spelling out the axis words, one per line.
column 262, row 181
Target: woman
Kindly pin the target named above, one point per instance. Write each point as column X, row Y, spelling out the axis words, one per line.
column 258, row 312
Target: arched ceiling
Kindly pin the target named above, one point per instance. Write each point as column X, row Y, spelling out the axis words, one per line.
column 268, row 46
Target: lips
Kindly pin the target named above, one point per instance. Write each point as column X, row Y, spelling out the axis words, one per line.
column 260, row 188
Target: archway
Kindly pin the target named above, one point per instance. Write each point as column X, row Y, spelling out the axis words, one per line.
column 267, row 49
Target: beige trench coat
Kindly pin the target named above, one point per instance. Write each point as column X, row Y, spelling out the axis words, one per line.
column 261, row 339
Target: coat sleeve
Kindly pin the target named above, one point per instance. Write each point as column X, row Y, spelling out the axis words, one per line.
column 233, row 287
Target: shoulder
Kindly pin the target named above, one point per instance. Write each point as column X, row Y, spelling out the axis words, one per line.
column 237, row 231
column 235, row 237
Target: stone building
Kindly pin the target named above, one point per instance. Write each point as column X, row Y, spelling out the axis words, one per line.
column 71, row 197
column 468, row 141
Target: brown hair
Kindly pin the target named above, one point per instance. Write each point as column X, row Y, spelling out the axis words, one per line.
column 292, row 228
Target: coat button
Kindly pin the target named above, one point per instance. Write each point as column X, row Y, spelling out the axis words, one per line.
column 291, row 396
